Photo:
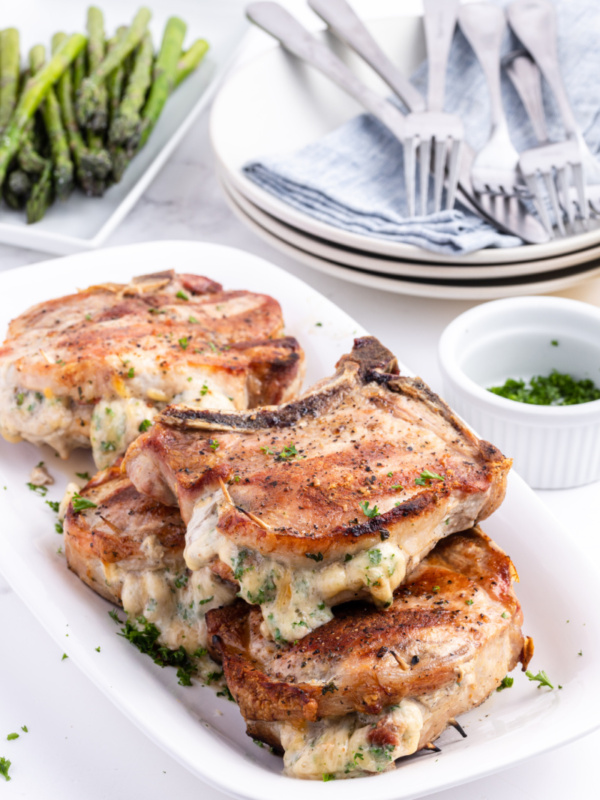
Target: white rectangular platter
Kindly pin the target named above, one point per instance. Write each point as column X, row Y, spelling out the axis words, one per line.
column 206, row 733
column 83, row 223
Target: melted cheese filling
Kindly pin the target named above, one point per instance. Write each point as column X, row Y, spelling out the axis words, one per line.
column 176, row 602
column 341, row 747
column 294, row 600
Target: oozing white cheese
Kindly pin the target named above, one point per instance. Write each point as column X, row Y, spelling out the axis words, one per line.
column 115, row 424
column 294, row 599
column 176, row 603
column 341, row 747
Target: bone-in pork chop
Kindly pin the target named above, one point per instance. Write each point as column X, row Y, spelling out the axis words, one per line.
column 371, row 686
column 100, row 363
column 129, row 549
column 335, row 496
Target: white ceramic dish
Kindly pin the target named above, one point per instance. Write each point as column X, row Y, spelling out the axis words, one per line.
column 438, row 289
column 405, row 268
column 205, row 733
column 553, row 447
column 282, row 104
column 84, row 223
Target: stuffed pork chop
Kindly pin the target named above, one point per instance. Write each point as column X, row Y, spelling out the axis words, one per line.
column 335, row 496
column 129, row 549
column 369, row 687
column 96, row 366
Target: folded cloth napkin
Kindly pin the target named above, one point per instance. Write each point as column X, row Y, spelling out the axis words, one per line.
column 353, row 178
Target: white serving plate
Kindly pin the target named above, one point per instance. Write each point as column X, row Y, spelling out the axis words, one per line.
column 282, row 104
column 83, row 223
column 399, row 269
column 205, row 733
column 416, row 287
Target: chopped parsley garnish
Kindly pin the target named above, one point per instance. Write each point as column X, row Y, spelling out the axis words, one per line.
column 204, row 389
column 329, row 687
column 369, row 512
column 328, row 776
column 212, row 347
column 108, row 447
column 80, row 503
column 181, row 580
column 289, row 453
column 435, row 589
column 192, row 320
column 12, row 736
column 58, row 527
column 375, row 557
column 85, row 476
column 64, row 656
column 426, row 477
column 115, row 617
column 41, row 490
column 24, row 728
column 554, row 342
column 541, row 677
column 130, row 372
column 183, row 342
column 54, row 504
column 4, row 767
column 507, row 682
column 144, row 425
column 469, row 602
column 88, row 317
column 98, row 649
column 397, row 487
column 314, row 556
column 206, row 600
column 214, row 444
column 182, row 295
column 145, row 639
column 556, row 389
column 226, row 693
column 20, row 398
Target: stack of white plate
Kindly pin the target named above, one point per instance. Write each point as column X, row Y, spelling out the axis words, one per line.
column 275, row 104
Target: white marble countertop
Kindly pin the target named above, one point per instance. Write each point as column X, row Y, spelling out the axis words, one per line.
column 78, row 744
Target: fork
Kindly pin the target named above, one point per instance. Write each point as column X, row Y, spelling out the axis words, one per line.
column 534, row 22
column 434, row 128
column 495, row 169
column 525, row 77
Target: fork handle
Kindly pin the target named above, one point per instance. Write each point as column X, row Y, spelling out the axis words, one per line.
column 347, row 26
column 440, row 20
column 276, row 21
column 483, row 25
column 525, row 77
column 534, row 22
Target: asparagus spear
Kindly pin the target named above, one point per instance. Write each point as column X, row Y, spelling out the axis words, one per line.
column 62, row 166
column 95, row 52
column 9, row 73
column 116, row 80
column 78, row 69
column 36, row 88
column 189, row 60
column 29, row 159
column 165, row 70
column 41, row 196
column 17, row 189
column 91, row 88
column 84, row 162
column 125, row 128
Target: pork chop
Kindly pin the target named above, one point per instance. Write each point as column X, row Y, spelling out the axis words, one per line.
column 99, row 364
column 129, row 549
column 369, row 687
column 335, row 496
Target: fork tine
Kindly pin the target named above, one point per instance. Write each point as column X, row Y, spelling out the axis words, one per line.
column 577, row 171
column 563, row 189
column 453, row 173
column 410, row 175
column 424, row 162
column 439, row 165
column 551, row 189
column 532, row 185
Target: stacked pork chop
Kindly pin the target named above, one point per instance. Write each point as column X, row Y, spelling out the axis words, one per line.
column 324, row 549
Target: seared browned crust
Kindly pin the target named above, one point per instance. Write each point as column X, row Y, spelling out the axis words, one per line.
column 114, row 532
column 72, row 341
column 360, row 435
column 456, row 602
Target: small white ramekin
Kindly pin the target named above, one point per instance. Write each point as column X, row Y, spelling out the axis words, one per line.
column 553, row 447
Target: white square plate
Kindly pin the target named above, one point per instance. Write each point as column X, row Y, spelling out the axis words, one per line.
column 206, row 733
column 83, row 223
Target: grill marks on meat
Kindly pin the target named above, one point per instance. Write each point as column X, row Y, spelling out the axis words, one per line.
column 379, row 684
column 322, row 499
column 138, row 345
column 129, row 549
